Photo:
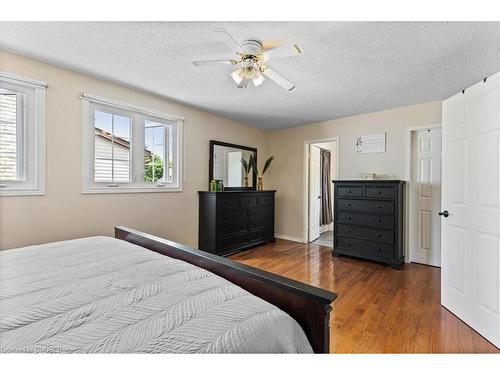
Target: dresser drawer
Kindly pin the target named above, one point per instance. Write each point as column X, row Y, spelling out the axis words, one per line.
column 368, row 206
column 232, row 226
column 224, row 242
column 379, row 235
column 262, row 234
column 266, row 200
column 259, row 222
column 365, row 247
column 379, row 221
column 228, row 203
column 350, row 191
column 248, row 202
column 380, row 192
column 261, row 211
column 235, row 214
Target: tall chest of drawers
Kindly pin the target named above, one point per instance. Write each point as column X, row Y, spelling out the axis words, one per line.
column 369, row 220
column 230, row 221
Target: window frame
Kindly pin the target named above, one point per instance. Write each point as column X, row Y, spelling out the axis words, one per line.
column 30, row 135
column 138, row 114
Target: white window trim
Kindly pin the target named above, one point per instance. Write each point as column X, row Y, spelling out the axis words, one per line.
column 88, row 184
column 36, row 185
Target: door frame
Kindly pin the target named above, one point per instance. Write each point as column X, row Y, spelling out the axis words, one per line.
column 407, row 176
column 305, row 180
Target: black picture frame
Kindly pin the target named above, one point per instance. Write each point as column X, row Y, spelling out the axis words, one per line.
column 211, row 164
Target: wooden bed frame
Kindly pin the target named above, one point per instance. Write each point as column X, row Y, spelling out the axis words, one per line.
column 308, row 305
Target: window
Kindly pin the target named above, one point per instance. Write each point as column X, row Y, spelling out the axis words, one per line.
column 129, row 149
column 22, row 136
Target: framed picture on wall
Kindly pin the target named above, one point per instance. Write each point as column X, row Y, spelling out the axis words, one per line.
column 370, row 144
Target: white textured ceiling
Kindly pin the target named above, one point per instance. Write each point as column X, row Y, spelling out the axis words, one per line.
column 347, row 68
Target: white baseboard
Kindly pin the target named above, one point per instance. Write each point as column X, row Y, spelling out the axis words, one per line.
column 289, row 238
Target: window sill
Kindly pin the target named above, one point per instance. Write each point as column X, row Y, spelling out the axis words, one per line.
column 125, row 190
column 6, row 192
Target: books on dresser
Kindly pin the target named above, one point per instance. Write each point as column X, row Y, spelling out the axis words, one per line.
column 369, row 220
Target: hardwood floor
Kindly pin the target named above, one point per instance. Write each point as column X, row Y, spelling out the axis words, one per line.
column 378, row 309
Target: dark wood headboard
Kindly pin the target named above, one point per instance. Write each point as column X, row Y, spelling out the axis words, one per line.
column 308, row 305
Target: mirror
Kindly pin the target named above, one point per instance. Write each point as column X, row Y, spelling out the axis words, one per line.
column 226, row 165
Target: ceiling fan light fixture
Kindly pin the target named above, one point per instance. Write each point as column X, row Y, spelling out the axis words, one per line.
column 250, row 72
column 252, row 61
column 237, row 76
column 258, row 80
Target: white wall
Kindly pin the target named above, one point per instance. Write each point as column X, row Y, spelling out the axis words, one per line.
column 286, row 174
column 65, row 213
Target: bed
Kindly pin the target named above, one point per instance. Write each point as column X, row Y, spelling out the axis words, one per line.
column 137, row 293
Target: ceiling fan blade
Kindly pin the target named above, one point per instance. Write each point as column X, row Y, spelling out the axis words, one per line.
column 234, row 44
column 279, row 79
column 284, row 51
column 213, row 62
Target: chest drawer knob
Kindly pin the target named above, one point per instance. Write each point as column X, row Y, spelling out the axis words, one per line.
column 379, row 249
column 379, row 235
column 349, row 231
column 379, row 220
column 379, row 206
column 349, row 191
column 348, row 244
column 348, row 218
column 349, row 205
column 379, row 192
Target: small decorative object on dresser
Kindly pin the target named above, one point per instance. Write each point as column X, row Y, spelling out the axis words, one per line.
column 267, row 164
column 369, row 220
column 231, row 221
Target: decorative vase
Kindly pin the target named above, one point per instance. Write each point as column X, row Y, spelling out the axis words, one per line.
column 246, row 180
column 260, row 185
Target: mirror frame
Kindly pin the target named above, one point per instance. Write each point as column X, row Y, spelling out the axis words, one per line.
column 211, row 165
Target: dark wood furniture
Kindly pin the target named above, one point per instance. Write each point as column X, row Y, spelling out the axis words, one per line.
column 369, row 220
column 214, row 143
column 231, row 221
column 308, row 305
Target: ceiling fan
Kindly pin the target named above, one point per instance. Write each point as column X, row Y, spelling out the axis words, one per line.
column 252, row 61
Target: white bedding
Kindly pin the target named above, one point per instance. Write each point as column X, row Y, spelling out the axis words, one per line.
column 103, row 295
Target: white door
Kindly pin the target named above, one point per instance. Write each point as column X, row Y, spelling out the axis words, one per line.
column 425, row 240
column 314, row 192
column 471, row 195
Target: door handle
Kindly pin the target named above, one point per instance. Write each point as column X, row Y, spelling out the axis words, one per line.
column 444, row 213
column 319, row 196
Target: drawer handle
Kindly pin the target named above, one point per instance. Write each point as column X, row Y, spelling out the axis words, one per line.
column 379, row 235
column 379, row 249
column 348, row 244
column 379, row 192
column 379, row 220
column 349, row 205
column 349, row 231
column 379, row 206
column 349, row 192
column 348, row 218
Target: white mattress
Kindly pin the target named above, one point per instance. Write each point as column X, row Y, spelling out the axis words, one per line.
column 103, row 295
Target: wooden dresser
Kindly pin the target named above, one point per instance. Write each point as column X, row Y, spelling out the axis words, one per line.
column 369, row 220
column 231, row 221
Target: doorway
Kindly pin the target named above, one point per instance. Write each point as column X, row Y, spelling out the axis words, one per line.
column 320, row 167
column 424, row 196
